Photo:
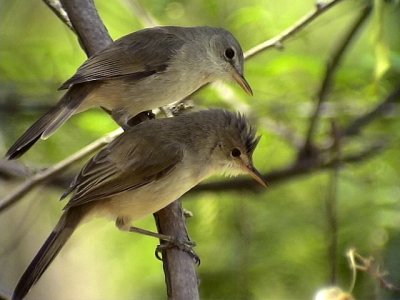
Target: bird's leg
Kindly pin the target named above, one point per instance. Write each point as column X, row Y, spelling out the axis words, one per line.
column 122, row 225
column 186, row 246
column 185, row 243
column 171, row 241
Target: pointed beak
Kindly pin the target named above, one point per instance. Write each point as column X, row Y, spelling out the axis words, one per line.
column 242, row 82
column 256, row 175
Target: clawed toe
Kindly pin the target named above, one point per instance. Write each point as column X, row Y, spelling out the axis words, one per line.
column 186, row 246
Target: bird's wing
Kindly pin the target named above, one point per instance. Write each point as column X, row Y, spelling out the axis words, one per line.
column 126, row 164
column 137, row 55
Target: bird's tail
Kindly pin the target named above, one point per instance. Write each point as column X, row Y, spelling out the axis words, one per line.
column 57, row 239
column 51, row 121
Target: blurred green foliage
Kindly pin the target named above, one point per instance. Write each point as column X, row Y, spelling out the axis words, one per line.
column 269, row 245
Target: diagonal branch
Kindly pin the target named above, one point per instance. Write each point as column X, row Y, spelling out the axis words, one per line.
column 277, row 41
column 385, row 106
column 299, row 168
column 59, row 11
column 331, row 68
column 92, row 34
column 49, row 173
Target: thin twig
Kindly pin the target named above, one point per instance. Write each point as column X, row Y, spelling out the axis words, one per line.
column 277, row 42
column 56, row 169
column 299, row 168
column 331, row 204
column 331, row 68
column 383, row 107
column 13, row 169
column 59, row 11
column 283, row 131
column 368, row 265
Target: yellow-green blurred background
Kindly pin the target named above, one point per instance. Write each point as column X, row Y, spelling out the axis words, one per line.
column 272, row 244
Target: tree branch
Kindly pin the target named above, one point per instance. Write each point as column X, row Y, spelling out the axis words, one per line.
column 385, row 106
column 92, row 34
column 299, row 168
column 331, row 203
column 326, row 84
column 47, row 174
column 277, row 41
column 182, row 282
column 59, row 11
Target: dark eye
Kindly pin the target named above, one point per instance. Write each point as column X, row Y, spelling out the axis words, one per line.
column 229, row 53
column 235, row 152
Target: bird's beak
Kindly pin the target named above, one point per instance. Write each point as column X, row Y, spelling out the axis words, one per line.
column 242, row 81
column 256, row 175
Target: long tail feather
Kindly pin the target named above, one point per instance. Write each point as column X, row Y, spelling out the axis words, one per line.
column 51, row 121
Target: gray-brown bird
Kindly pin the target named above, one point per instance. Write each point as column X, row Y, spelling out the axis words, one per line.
column 141, row 71
column 145, row 169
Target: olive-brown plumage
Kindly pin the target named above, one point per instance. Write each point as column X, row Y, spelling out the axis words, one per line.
column 141, row 71
column 145, row 169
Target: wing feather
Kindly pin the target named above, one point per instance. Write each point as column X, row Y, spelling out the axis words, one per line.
column 138, row 55
column 129, row 162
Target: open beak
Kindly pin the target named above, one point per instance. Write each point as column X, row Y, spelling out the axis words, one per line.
column 256, row 175
column 242, row 82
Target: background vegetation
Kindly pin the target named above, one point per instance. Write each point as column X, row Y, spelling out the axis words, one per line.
column 285, row 242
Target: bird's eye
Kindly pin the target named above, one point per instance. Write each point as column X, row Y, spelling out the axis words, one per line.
column 229, row 53
column 235, row 152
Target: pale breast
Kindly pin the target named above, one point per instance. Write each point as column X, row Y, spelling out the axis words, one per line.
column 143, row 201
column 148, row 93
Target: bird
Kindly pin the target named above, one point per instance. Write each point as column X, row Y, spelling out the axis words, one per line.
column 141, row 71
column 146, row 168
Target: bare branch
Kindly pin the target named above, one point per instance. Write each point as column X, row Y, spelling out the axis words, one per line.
column 277, row 42
column 58, row 168
column 93, row 35
column 182, row 281
column 13, row 169
column 299, row 168
column 331, row 67
column 285, row 132
column 369, row 266
column 385, row 106
column 331, row 204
